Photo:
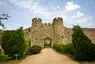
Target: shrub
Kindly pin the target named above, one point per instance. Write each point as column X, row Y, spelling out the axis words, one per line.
column 69, row 48
column 13, row 43
column 84, row 49
column 35, row 49
column 64, row 48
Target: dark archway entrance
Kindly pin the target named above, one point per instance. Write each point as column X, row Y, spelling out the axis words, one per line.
column 47, row 42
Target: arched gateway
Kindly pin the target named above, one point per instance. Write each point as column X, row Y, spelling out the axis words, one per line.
column 47, row 42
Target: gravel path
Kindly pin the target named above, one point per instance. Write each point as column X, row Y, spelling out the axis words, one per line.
column 48, row 56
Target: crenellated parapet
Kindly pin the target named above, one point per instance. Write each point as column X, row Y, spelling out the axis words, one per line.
column 57, row 20
column 36, row 22
column 47, row 24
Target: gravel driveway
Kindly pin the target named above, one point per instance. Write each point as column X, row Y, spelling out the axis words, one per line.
column 48, row 56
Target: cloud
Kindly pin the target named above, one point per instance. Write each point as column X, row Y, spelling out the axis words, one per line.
column 79, row 14
column 70, row 6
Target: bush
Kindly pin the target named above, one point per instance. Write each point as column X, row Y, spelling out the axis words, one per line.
column 13, row 43
column 64, row 48
column 35, row 49
column 84, row 49
column 69, row 48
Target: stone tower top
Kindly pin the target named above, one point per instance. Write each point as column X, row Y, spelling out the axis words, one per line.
column 36, row 21
column 58, row 21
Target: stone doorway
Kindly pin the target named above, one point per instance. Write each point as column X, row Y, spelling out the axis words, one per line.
column 47, row 42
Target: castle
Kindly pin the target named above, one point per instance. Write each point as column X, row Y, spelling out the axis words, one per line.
column 46, row 35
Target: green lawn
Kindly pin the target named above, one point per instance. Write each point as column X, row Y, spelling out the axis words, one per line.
column 10, row 62
column 4, row 60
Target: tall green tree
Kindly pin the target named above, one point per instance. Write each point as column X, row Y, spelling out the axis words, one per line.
column 84, row 49
column 13, row 42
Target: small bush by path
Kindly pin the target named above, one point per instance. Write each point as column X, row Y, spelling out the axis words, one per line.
column 35, row 49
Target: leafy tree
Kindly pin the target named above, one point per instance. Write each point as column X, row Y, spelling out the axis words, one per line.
column 13, row 42
column 84, row 49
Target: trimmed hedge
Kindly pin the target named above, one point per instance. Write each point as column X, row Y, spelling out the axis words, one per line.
column 35, row 49
column 64, row 48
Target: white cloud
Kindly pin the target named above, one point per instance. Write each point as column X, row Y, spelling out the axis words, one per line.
column 82, row 20
column 79, row 14
column 70, row 6
column 78, row 18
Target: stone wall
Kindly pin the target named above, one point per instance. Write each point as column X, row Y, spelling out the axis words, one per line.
column 56, row 32
column 89, row 32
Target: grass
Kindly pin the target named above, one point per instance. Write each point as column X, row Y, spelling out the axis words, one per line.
column 10, row 62
column 5, row 60
column 86, row 62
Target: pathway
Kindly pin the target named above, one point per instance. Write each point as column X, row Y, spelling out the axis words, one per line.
column 48, row 56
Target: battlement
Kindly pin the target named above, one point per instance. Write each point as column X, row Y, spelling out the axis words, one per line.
column 36, row 19
column 58, row 19
column 47, row 24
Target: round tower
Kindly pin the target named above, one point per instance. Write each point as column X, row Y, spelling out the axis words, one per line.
column 58, row 30
column 36, row 31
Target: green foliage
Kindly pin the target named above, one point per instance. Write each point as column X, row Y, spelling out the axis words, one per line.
column 64, row 48
column 3, row 17
column 5, row 37
column 13, row 42
column 35, row 49
column 84, row 49
column 28, row 43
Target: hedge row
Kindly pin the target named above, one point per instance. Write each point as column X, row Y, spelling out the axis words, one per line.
column 64, row 48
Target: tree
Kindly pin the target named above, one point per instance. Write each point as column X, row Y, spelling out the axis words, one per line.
column 84, row 49
column 3, row 17
column 13, row 42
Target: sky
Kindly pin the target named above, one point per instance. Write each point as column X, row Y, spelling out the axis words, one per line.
column 73, row 12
